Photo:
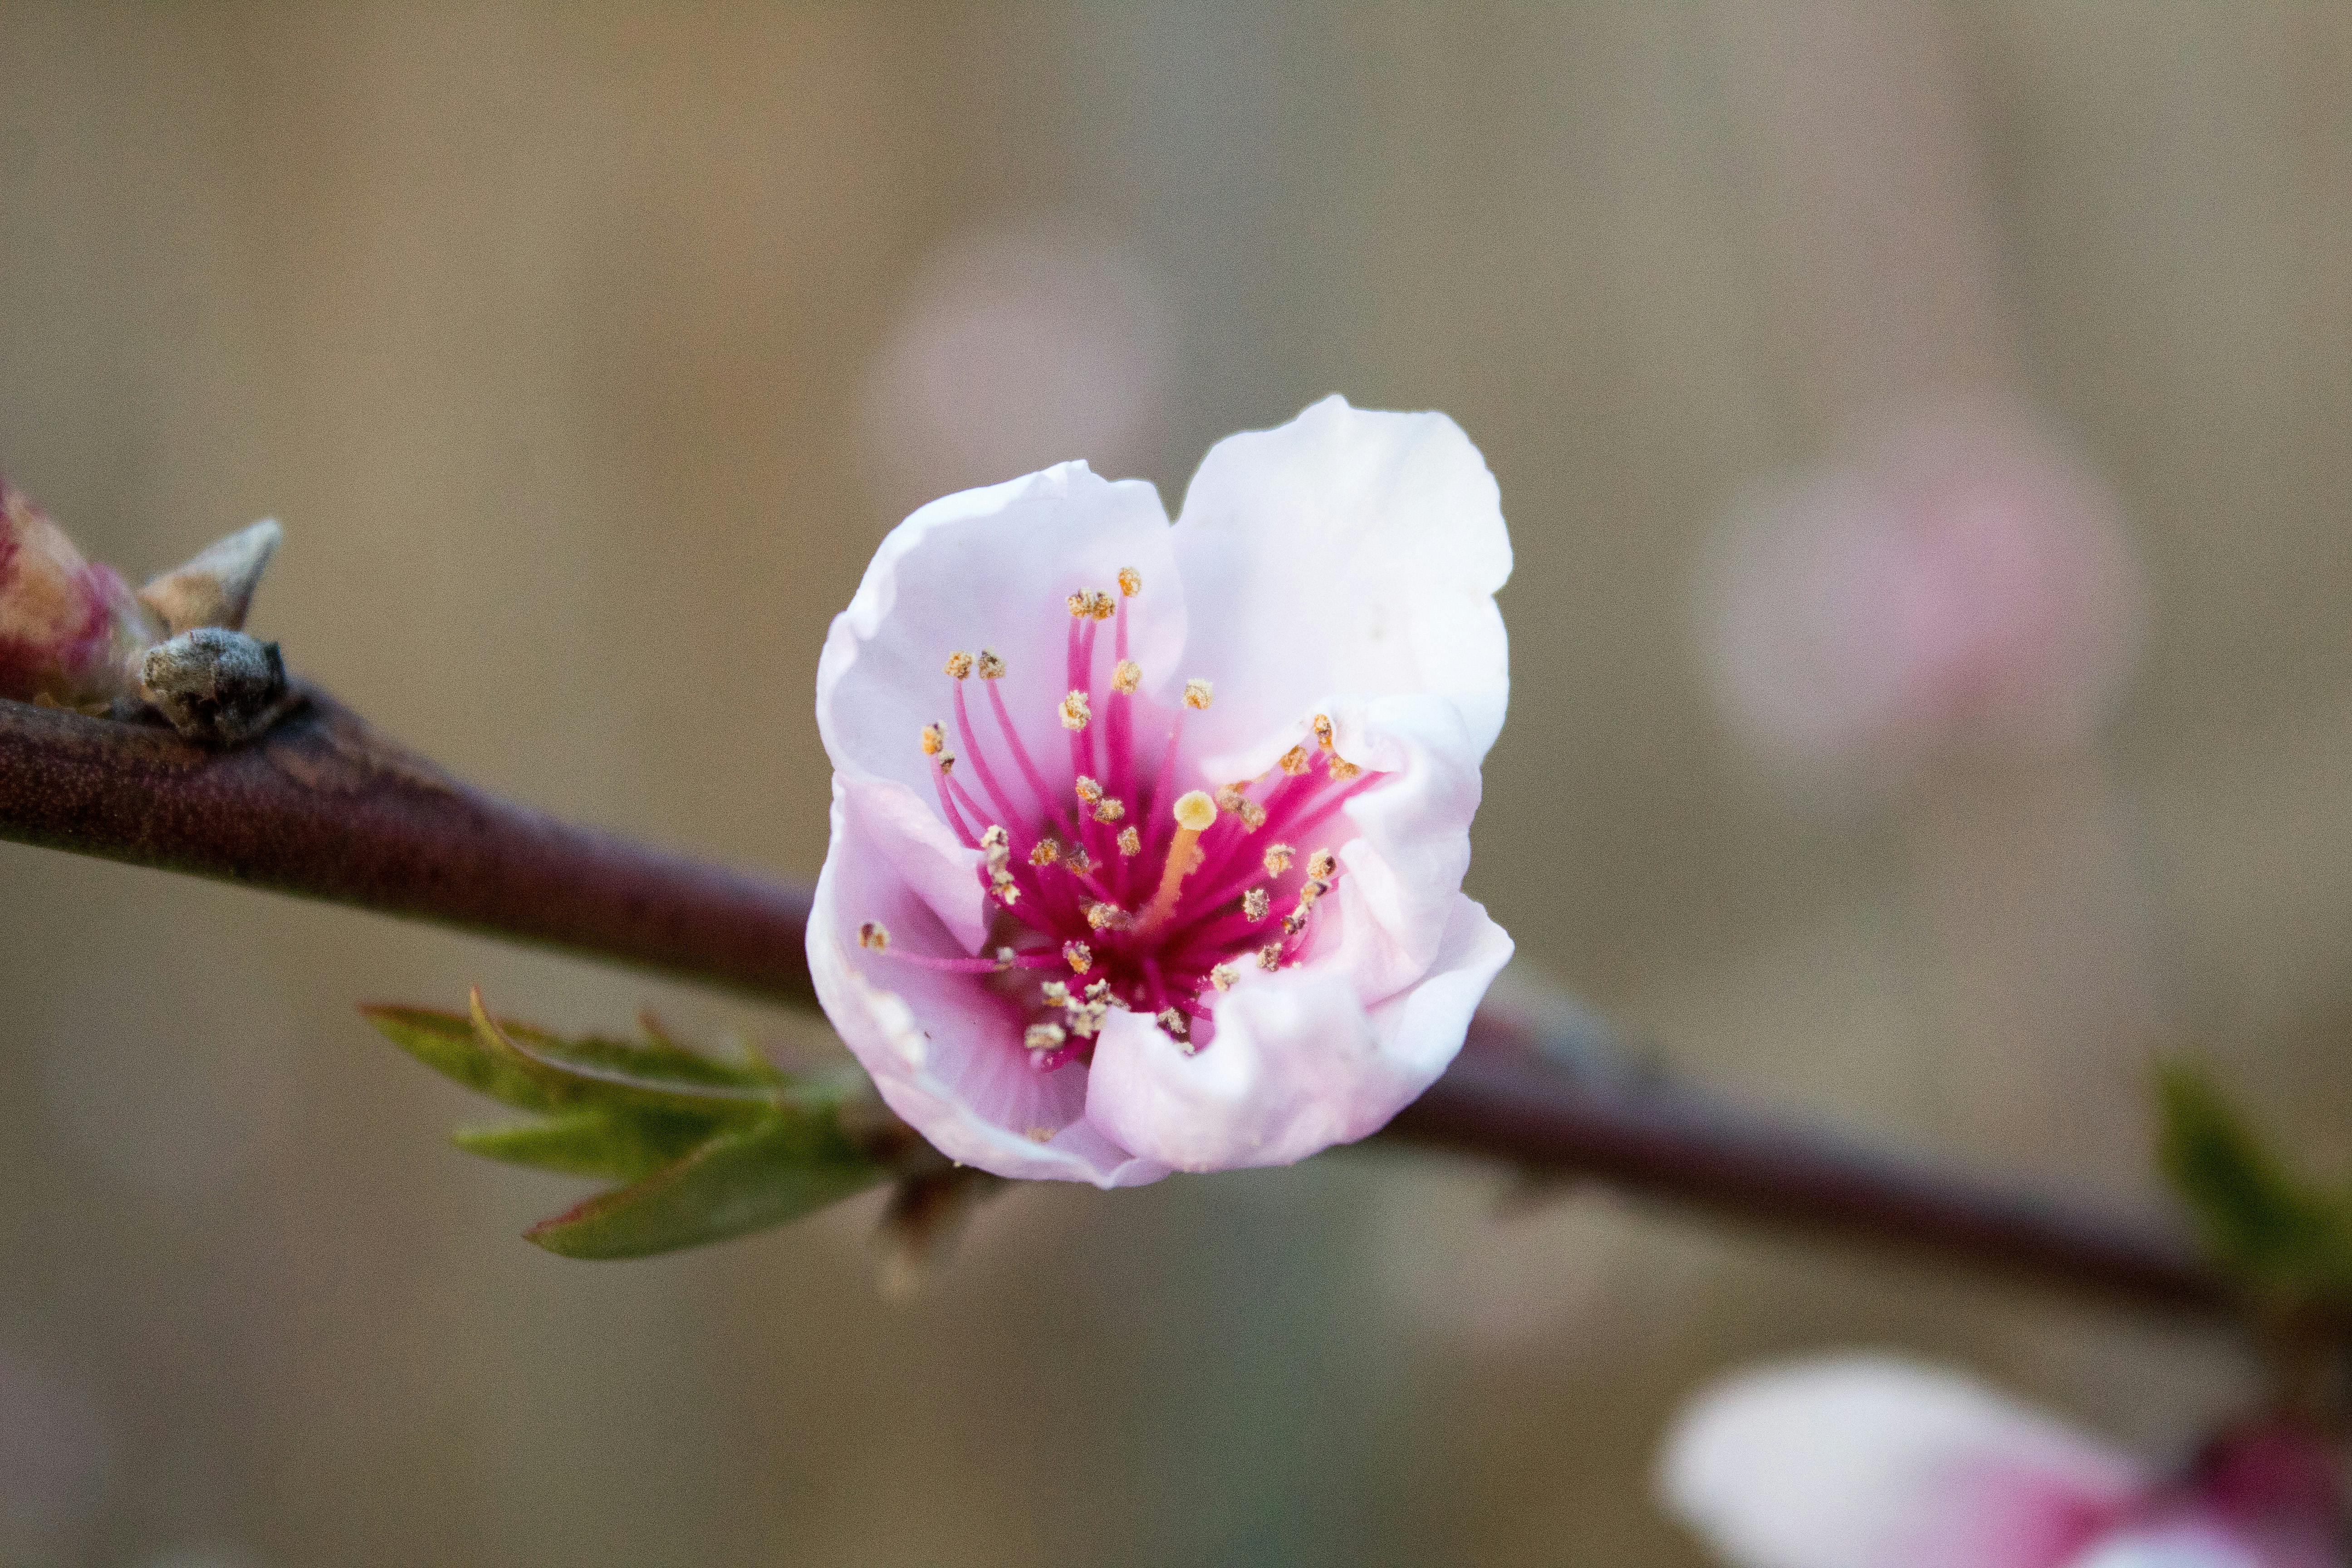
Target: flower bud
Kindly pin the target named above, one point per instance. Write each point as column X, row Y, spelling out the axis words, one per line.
column 70, row 628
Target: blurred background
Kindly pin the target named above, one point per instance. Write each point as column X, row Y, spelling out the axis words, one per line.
column 1922, row 432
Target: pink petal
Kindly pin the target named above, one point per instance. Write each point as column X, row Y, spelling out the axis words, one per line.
column 1347, row 551
column 990, row 569
column 1296, row 1065
column 944, row 1052
column 1875, row 1463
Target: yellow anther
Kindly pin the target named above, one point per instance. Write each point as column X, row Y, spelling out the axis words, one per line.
column 1294, row 761
column 1077, row 712
column 1099, row 991
column 1041, row 1135
column 1223, row 975
column 1256, row 903
column 1079, row 956
column 991, row 666
column 1007, row 890
column 1105, row 917
column 1252, row 816
column 947, row 764
column 1323, row 730
column 1045, row 852
column 1343, row 769
column 1277, row 858
column 1197, row 692
column 1269, row 957
column 1126, row 676
column 1294, row 922
column 1043, row 1038
column 1229, row 798
column 1174, row 1022
column 1057, row 994
column 1088, row 790
column 1080, row 862
column 1101, row 605
column 935, row 739
column 1130, row 581
column 1314, row 888
column 1321, row 864
column 1079, row 602
column 1004, row 957
column 1110, row 810
column 874, row 936
column 1131, row 842
column 959, row 665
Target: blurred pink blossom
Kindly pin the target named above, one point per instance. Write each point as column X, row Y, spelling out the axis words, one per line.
column 1148, row 841
column 1969, row 581
column 1014, row 348
column 1865, row 1462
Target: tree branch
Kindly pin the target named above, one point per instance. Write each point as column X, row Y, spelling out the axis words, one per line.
column 326, row 807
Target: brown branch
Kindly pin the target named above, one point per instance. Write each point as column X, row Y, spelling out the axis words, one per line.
column 326, row 807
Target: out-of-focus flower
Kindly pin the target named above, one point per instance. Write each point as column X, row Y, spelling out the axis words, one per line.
column 1013, row 348
column 1873, row 1463
column 72, row 634
column 1148, row 841
column 1969, row 581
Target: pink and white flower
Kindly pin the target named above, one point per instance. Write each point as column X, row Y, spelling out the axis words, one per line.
column 1149, row 839
column 1866, row 1462
column 1969, row 580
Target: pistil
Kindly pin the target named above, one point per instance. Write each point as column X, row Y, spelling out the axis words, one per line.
column 1195, row 814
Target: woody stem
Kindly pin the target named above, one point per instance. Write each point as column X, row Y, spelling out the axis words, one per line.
column 327, row 807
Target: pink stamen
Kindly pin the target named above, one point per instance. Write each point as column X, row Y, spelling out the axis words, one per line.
column 1169, row 930
column 1119, row 723
column 987, row 785
column 948, row 809
column 1047, row 800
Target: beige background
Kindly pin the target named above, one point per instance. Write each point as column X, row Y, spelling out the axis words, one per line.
column 586, row 351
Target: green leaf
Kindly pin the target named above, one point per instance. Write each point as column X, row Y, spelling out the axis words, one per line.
column 740, row 1181
column 446, row 1043
column 596, row 1141
column 707, row 1148
column 2285, row 1238
column 615, row 1072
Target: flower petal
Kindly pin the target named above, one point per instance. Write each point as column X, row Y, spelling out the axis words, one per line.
column 1407, row 839
column 990, row 569
column 1295, row 1065
column 943, row 1050
column 1866, row 1462
column 1347, row 552
column 2176, row 1546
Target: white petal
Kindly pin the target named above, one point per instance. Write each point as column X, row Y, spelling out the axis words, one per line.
column 1347, row 552
column 942, row 1048
column 1295, row 1065
column 1405, row 842
column 990, row 569
column 1420, row 1030
column 2174, row 1547
column 1867, row 1462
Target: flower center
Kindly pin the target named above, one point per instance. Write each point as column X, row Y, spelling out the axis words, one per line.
column 1132, row 893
